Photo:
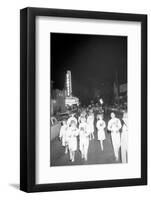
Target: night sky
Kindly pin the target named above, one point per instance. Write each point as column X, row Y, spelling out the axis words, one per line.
column 94, row 60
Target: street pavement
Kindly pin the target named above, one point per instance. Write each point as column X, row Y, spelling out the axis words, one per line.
column 95, row 154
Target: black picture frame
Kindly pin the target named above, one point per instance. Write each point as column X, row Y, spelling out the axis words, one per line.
column 28, row 98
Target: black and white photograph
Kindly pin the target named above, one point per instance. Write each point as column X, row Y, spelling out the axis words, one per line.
column 88, row 99
column 83, row 84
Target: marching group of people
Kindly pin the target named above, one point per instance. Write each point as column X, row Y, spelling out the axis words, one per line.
column 78, row 131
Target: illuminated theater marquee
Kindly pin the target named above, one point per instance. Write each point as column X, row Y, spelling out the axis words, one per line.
column 70, row 100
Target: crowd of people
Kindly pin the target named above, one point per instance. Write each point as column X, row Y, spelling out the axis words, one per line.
column 77, row 131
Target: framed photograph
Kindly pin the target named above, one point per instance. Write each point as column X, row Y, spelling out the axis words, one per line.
column 83, row 99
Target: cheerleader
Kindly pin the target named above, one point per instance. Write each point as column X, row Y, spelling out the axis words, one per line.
column 72, row 140
column 90, row 125
column 114, row 125
column 124, row 138
column 63, row 135
column 84, row 139
column 100, row 125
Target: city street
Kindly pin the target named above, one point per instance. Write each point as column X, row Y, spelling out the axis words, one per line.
column 88, row 75
column 95, row 154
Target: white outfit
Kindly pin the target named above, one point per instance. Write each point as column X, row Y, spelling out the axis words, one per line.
column 90, row 123
column 100, row 127
column 124, row 143
column 63, row 135
column 70, row 120
column 114, row 126
column 84, row 139
column 72, row 138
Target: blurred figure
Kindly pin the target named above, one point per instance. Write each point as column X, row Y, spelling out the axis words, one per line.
column 124, row 138
column 72, row 140
column 90, row 125
column 114, row 125
column 84, row 139
column 63, row 135
column 100, row 125
column 83, row 114
column 101, row 101
column 71, row 119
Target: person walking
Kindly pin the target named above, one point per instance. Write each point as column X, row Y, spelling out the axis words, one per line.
column 63, row 135
column 114, row 125
column 83, row 138
column 90, row 123
column 72, row 140
column 124, row 138
column 100, row 125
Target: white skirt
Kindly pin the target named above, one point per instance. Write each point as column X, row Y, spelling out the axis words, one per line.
column 116, row 139
column 90, row 128
column 72, row 143
column 64, row 141
column 101, row 135
column 84, row 142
